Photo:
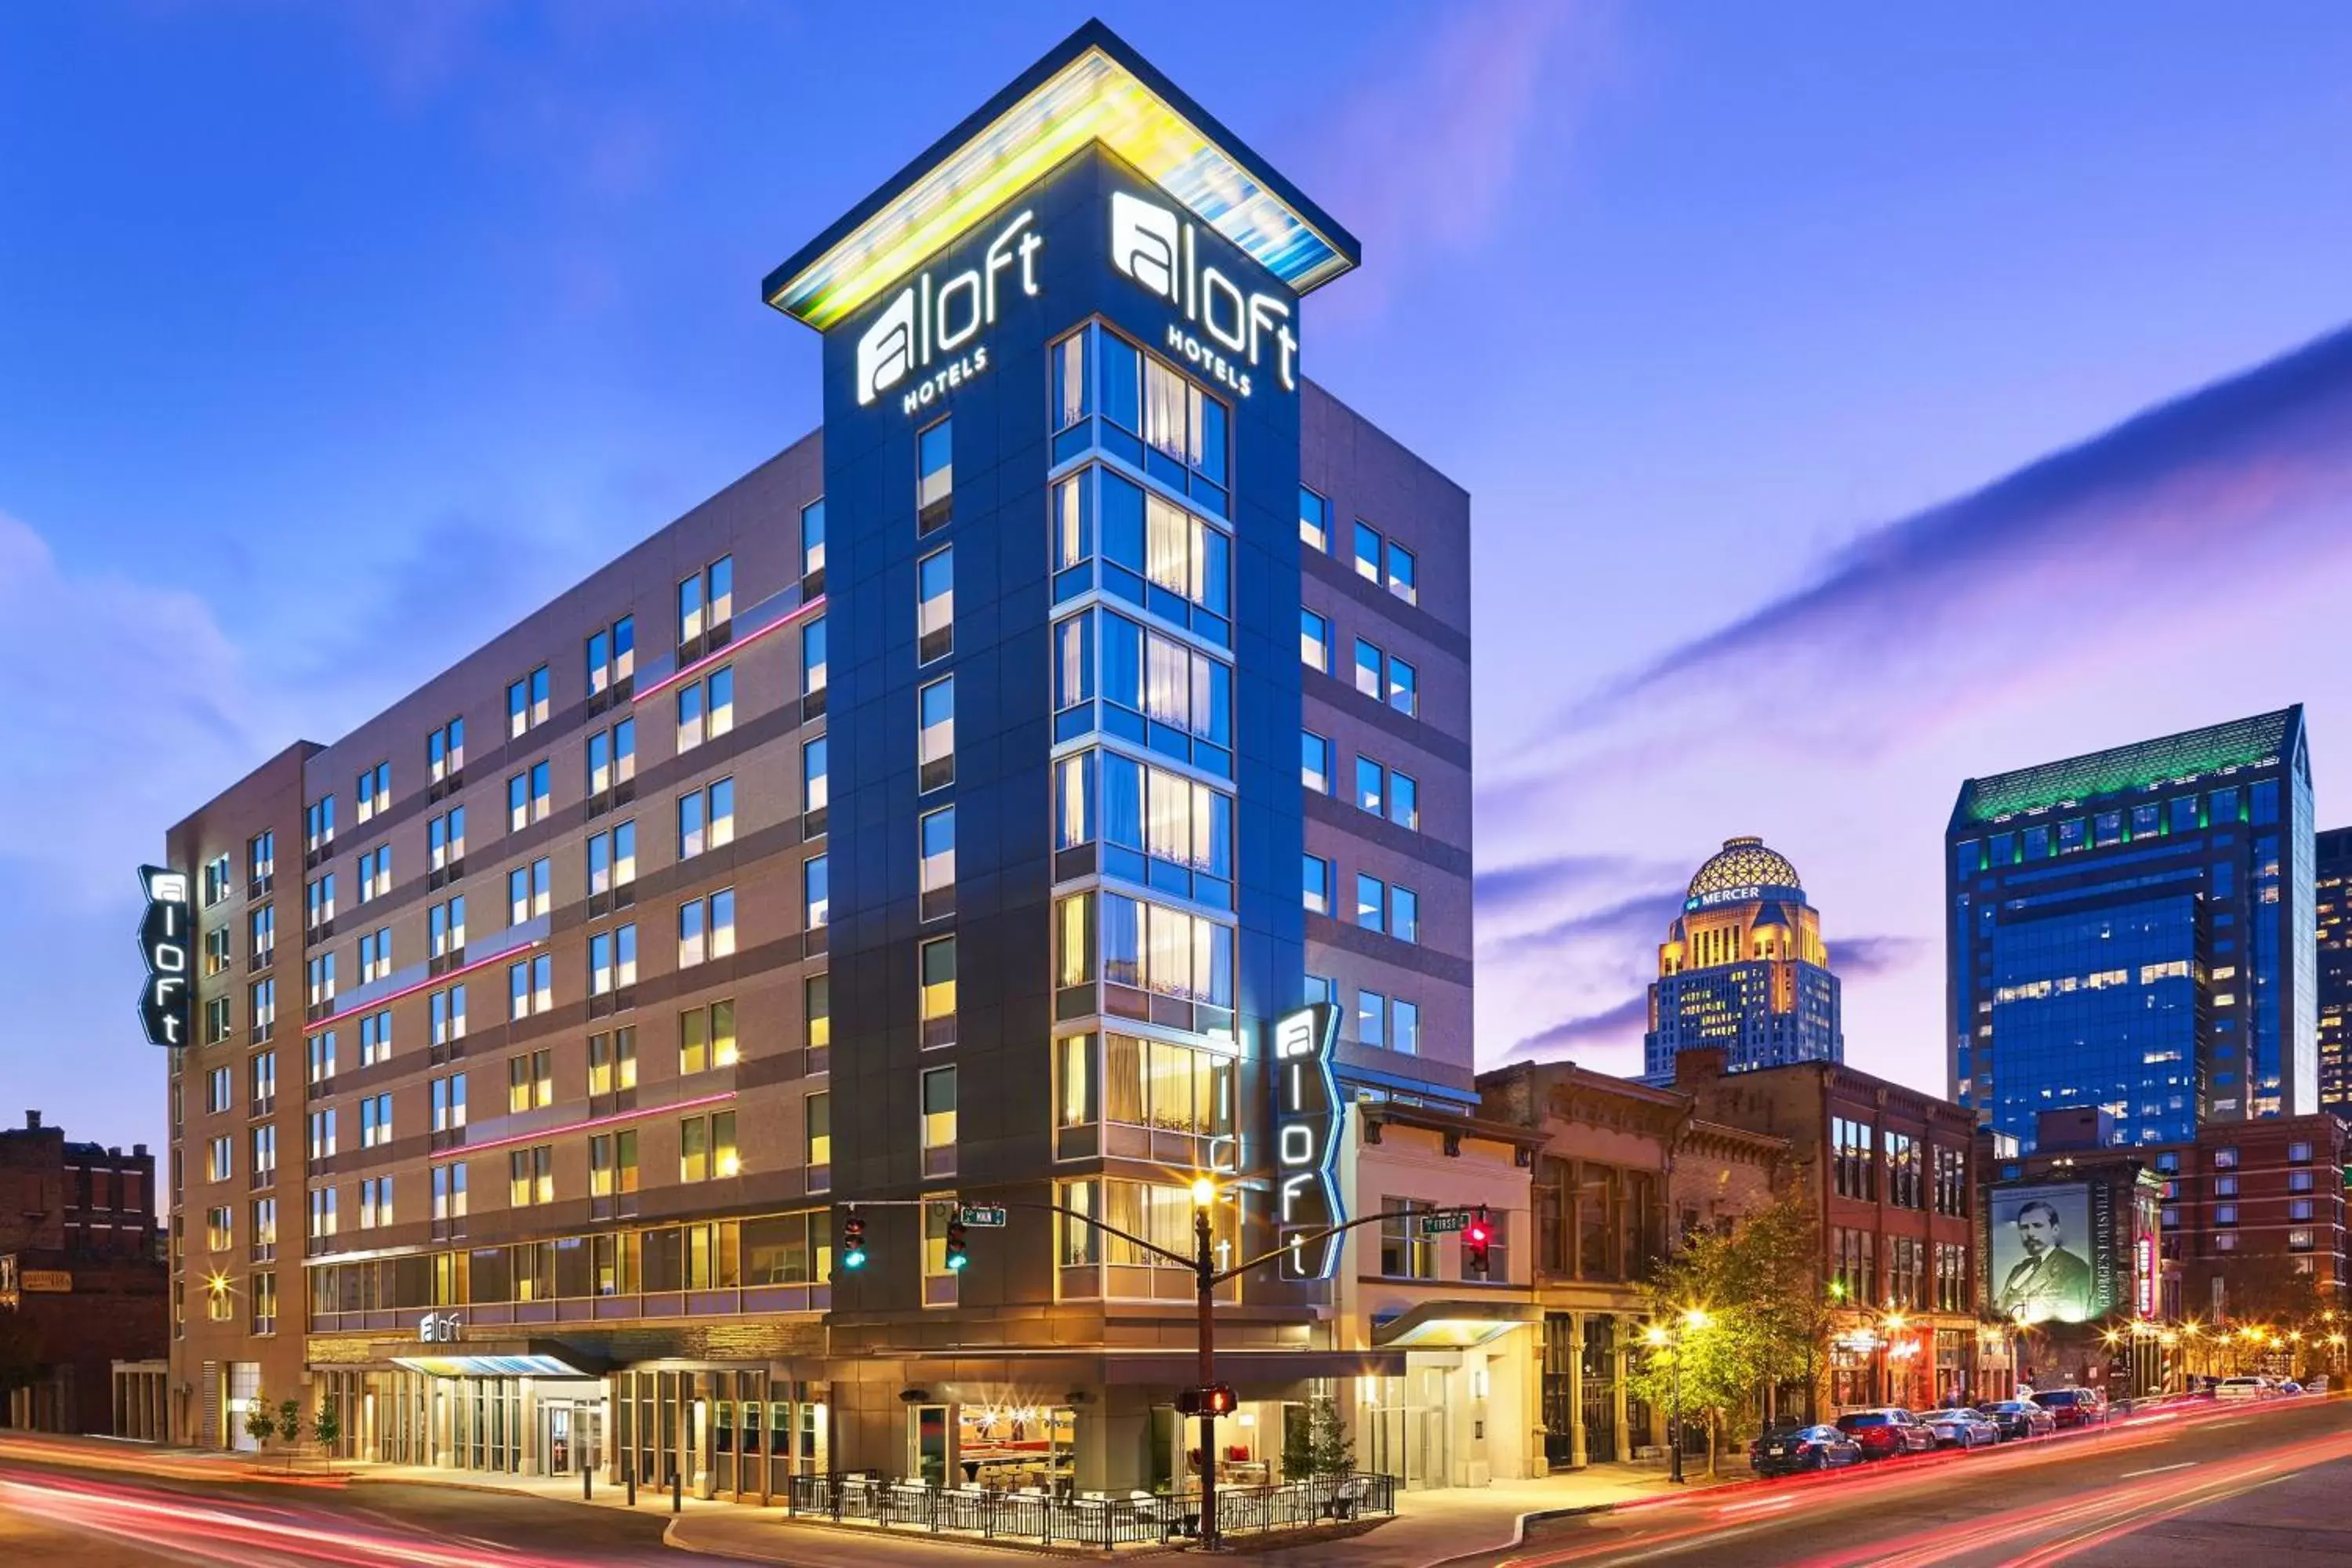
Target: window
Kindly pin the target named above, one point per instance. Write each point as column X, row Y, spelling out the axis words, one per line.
column 1404, row 800
column 2298, row 1181
column 319, row 903
column 612, row 757
column 815, row 792
column 1405, row 1027
column 530, row 891
column 261, row 860
column 319, row 1050
column 706, row 818
column 2225, row 1159
column 815, row 897
column 320, row 1129
column 530, row 1081
column 937, row 962
column 375, row 872
column 1856, row 1156
column 1404, row 573
column 813, row 657
column 936, row 831
column 1156, row 826
column 322, row 1211
column 706, row 600
column 611, row 655
column 706, row 707
column 448, row 1015
column 1127, row 942
column 221, row 1162
column 1313, row 521
column 1315, row 884
column 531, row 986
column 706, row 928
column 1902, row 1151
column 445, row 839
column 375, row 1202
column 1371, row 786
column 373, row 792
column 817, row 997
column 321, row 970
column 216, row 950
column 220, row 1091
column 2298, row 1153
column 813, row 538
column 264, row 1140
column 529, row 799
column 1161, row 691
column 527, row 702
column 375, row 1037
column 262, row 998
column 612, row 1165
column 706, row 1147
column 1371, row 902
column 612, row 858
column 319, row 824
column 261, row 1229
column 2225, row 1214
column 448, row 1103
column 819, row 1134
column 216, row 882
column 2298, row 1208
column 935, row 605
column 1371, row 1017
column 530, row 1177
column 706, row 1037
column 1951, row 1196
column 612, row 960
column 613, row 1061
column 2225, row 1186
column 445, row 927
column 449, row 1192
column 1315, row 762
column 1405, row 1252
column 445, row 750
column 936, row 717
column 1404, row 685
column 939, row 1124
column 375, row 1120
column 1368, row 552
column 1369, row 663
column 934, row 474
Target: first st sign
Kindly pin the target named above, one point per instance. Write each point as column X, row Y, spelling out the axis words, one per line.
column 164, row 1005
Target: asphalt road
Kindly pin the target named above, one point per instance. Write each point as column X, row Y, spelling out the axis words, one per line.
column 2247, row 1484
column 109, row 1519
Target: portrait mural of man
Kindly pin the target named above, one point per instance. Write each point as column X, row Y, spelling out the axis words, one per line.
column 2039, row 1237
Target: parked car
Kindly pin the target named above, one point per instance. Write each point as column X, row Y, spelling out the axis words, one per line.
column 1886, row 1433
column 1791, row 1449
column 2232, row 1389
column 1961, row 1427
column 2289, row 1385
column 2074, row 1406
column 2019, row 1418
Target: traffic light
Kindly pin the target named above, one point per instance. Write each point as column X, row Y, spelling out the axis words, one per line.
column 1217, row 1399
column 1477, row 1237
column 956, row 1255
column 852, row 1240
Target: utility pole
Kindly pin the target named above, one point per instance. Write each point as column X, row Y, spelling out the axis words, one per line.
column 1204, row 1275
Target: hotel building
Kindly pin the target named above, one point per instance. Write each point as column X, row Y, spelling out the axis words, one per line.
column 575, row 1001
column 2131, row 930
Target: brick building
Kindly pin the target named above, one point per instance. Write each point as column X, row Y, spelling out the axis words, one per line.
column 1891, row 1172
column 1620, row 1168
column 80, row 1273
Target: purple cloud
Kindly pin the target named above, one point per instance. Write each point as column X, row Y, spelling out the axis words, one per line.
column 1614, row 1028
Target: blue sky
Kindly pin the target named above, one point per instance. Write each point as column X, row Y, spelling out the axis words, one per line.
column 1733, row 320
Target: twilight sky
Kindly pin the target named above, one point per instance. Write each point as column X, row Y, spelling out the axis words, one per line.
column 1852, row 398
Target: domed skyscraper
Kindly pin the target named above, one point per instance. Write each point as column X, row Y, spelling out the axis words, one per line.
column 1743, row 967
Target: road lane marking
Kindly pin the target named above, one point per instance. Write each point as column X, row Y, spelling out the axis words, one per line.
column 2129, row 1474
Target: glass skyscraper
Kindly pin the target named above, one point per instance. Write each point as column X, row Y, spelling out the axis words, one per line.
column 1743, row 967
column 2333, row 886
column 2123, row 933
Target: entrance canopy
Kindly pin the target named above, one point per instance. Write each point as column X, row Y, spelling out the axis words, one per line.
column 498, row 1358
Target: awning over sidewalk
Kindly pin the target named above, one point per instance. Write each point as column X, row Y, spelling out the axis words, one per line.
column 493, row 1358
column 1454, row 1325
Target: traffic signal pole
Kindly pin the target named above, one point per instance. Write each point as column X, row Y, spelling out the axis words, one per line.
column 1204, row 1274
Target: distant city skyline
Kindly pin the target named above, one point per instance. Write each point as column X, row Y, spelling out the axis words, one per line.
column 1797, row 375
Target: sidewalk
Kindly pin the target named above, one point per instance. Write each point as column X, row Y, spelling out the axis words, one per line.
column 1430, row 1528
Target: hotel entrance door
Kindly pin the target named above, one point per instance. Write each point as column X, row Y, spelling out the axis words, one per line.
column 572, row 1437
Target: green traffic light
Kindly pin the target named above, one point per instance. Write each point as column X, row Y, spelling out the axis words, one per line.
column 854, row 1259
column 957, row 1260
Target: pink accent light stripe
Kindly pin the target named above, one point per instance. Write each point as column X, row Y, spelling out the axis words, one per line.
column 746, row 640
column 589, row 1125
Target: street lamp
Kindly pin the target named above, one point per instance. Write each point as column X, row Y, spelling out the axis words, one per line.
column 1670, row 1339
column 1204, row 1275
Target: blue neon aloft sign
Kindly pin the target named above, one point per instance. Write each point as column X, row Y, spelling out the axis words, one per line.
column 1306, row 1120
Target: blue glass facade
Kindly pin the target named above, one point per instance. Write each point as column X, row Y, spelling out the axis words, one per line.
column 2052, row 866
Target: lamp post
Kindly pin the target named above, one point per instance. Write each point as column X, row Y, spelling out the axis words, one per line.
column 1670, row 1339
column 1204, row 1275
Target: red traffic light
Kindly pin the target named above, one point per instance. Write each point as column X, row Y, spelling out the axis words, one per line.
column 1476, row 1237
column 1217, row 1399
